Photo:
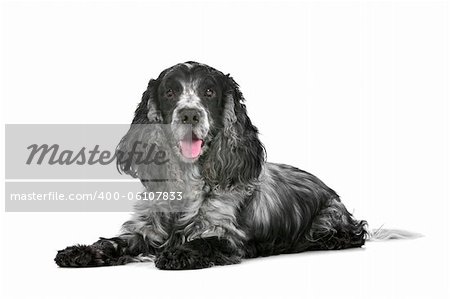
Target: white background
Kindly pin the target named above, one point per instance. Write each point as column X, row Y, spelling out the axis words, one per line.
column 356, row 92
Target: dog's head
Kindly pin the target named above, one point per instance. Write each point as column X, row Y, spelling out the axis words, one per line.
column 220, row 137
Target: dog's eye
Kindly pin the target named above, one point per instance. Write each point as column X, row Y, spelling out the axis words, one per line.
column 170, row 93
column 209, row 93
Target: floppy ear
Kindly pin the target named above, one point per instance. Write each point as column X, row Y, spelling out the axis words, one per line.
column 144, row 132
column 148, row 111
column 236, row 154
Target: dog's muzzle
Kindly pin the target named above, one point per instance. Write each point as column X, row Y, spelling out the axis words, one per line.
column 191, row 143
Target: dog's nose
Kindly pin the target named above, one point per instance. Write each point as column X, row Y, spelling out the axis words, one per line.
column 190, row 116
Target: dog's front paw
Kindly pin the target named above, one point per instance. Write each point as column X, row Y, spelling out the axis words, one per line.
column 81, row 256
column 181, row 259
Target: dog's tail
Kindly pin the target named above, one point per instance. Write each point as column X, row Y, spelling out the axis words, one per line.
column 382, row 234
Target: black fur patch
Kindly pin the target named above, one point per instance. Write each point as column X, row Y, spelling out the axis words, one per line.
column 198, row 254
column 105, row 252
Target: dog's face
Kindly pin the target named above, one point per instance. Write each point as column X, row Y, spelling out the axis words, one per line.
column 209, row 125
column 192, row 94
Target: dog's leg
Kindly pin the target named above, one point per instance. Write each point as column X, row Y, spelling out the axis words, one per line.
column 120, row 250
column 197, row 254
column 335, row 228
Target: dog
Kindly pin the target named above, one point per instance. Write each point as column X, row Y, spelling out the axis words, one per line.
column 236, row 205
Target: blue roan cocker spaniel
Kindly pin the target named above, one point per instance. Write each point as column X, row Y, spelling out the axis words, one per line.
column 235, row 204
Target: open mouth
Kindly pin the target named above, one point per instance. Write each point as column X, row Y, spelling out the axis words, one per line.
column 191, row 146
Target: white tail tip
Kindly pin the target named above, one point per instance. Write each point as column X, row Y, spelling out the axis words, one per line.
column 391, row 234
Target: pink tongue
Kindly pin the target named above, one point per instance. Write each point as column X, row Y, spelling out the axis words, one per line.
column 191, row 149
